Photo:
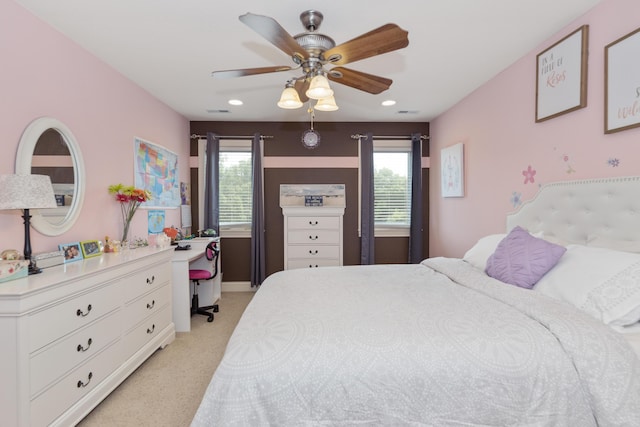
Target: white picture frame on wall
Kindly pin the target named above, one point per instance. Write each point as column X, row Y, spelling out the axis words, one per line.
column 452, row 170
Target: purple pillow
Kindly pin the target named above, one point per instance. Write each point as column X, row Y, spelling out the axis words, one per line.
column 521, row 259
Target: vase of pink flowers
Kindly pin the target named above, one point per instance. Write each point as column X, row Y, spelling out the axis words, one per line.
column 130, row 199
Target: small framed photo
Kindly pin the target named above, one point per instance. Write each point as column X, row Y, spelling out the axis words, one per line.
column 72, row 251
column 90, row 248
column 561, row 76
column 622, row 84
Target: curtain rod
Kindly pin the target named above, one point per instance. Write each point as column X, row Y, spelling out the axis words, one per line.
column 195, row 136
column 358, row 136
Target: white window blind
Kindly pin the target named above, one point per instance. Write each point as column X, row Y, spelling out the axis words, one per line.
column 235, row 186
column 392, row 187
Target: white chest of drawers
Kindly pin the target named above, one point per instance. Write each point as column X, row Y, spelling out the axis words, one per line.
column 312, row 237
column 73, row 333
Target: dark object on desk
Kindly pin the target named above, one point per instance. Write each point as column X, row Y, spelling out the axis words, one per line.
column 212, row 253
column 183, row 248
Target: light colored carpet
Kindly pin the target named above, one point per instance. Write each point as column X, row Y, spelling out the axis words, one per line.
column 166, row 390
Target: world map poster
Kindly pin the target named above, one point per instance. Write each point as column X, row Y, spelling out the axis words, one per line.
column 156, row 170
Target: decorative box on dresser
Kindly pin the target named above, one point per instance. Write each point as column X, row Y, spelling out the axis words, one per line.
column 73, row 333
column 313, row 217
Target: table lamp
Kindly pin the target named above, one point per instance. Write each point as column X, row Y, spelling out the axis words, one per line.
column 27, row 192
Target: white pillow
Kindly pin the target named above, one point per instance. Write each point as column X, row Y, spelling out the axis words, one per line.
column 603, row 282
column 482, row 250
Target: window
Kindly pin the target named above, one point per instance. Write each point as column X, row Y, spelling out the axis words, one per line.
column 235, row 187
column 392, row 187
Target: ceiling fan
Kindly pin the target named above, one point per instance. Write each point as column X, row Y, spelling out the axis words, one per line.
column 313, row 53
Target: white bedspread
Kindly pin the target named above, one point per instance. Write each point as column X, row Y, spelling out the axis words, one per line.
column 405, row 345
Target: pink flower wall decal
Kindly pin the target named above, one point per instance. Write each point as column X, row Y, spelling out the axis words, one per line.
column 529, row 175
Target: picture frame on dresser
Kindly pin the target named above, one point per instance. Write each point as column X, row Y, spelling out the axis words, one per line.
column 71, row 251
column 90, row 248
column 622, row 108
column 561, row 76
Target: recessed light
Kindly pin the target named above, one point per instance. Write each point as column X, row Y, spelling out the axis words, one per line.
column 235, row 102
column 388, row 102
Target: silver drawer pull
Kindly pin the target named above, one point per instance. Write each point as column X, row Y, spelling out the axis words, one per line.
column 81, row 313
column 150, row 306
column 313, row 222
column 83, row 349
column 313, row 252
column 83, row 384
column 150, row 281
column 153, row 328
column 313, row 237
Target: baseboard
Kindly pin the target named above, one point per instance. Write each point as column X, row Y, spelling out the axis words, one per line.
column 237, row 287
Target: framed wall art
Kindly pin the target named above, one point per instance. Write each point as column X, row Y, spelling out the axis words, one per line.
column 452, row 170
column 561, row 76
column 622, row 83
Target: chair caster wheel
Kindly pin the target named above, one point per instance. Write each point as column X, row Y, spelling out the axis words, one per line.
column 210, row 319
column 215, row 308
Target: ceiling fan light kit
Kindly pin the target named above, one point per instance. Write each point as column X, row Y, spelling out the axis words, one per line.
column 312, row 51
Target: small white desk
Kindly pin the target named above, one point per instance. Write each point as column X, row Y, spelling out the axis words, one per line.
column 181, row 262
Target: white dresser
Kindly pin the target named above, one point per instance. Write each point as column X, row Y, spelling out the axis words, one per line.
column 73, row 333
column 312, row 234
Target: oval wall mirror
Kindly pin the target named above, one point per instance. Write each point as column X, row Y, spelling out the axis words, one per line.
column 48, row 147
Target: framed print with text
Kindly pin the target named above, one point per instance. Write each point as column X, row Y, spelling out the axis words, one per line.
column 561, row 76
column 622, row 83
column 452, row 170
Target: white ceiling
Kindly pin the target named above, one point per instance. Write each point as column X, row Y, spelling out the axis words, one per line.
column 170, row 48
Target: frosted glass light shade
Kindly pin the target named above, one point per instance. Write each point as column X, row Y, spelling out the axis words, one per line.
column 319, row 88
column 326, row 104
column 289, row 99
column 26, row 192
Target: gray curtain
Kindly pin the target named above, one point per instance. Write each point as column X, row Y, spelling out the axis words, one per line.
column 258, row 265
column 415, row 236
column 367, row 220
column 211, row 180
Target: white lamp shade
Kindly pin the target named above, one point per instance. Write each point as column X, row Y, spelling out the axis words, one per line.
column 319, row 88
column 289, row 99
column 26, row 192
column 326, row 104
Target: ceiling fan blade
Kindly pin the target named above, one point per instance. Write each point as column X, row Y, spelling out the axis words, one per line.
column 226, row 74
column 301, row 87
column 270, row 29
column 359, row 80
column 385, row 39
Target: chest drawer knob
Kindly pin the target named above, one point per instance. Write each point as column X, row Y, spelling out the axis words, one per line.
column 82, row 384
column 151, row 329
column 313, row 237
column 83, row 349
column 81, row 313
column 312, row 223
column 150, row 281
column 313, row 252
column 150, row 306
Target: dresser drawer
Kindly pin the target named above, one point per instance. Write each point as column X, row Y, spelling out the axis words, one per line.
column 313, row 251
column 54, row 401
column 145, row 331
column 314, row 236
column 53, row 362
column 54, row 322
column 147, row 280
column 312, row 263
column 313, row 222
column 146, row 305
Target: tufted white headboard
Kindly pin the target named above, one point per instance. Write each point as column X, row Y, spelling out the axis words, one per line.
column 602, row 212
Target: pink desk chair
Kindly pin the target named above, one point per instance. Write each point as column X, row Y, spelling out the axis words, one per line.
column 211, row 252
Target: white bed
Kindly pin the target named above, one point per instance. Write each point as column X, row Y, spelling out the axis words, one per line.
column 439, row 343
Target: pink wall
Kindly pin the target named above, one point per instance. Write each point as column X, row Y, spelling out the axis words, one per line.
column 46, row 74
column 497, row 125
